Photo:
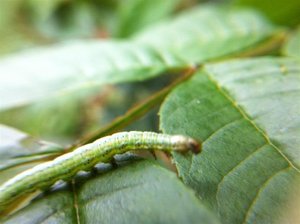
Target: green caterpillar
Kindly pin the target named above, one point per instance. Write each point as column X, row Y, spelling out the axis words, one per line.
column 85, row 157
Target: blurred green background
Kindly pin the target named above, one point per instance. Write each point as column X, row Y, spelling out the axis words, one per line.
column 26, row 24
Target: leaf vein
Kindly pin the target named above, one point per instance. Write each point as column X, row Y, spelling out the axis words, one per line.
column 263, row 186
column 221, row 128
column 75, row 199
column 237, row 166
column 246, row 117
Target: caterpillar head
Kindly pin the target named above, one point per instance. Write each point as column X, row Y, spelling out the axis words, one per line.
column 184, row 143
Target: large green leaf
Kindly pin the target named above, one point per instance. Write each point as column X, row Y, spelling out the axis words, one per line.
column 246, row 112
column 60, row 69
column 141, row 192
column 208, row 32
column 199, row 35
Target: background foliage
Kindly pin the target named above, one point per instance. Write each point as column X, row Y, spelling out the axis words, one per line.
column 224, row 72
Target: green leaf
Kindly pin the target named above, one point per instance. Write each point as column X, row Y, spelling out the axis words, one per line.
column 141, row 192
column 134, row 15
column 61, row 69
column 246, row 112
column 281, row 12
column 17, row 148
column 66, row 68
column 292, row 47
column 209, row 32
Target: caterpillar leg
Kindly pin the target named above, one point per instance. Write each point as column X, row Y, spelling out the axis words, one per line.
column 113, row 162
column 152, row 152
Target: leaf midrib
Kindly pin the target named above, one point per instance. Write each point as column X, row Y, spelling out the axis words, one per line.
column 75, row 201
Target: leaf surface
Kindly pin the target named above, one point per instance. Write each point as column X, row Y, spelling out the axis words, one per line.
column 141, row 192
column 45, row 72
column 246, row 112
column 209, row 32
column 199, row 35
